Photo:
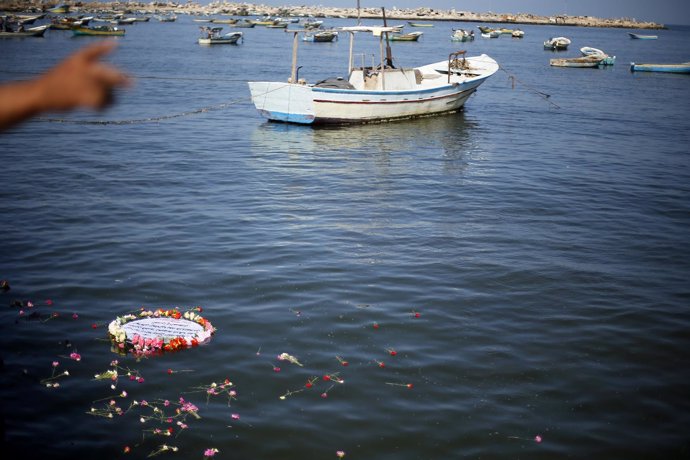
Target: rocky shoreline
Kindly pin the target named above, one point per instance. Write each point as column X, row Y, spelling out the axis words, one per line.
column 408, row 14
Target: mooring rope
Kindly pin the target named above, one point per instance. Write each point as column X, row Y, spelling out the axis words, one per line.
column 142, row 120
column 513, row 79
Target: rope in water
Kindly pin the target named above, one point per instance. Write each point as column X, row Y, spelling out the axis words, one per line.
column 513, row 79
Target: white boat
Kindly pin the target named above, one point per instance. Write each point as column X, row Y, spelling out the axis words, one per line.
column 212, row 36
column 517, row 33
column 557, row 43
column 606, row 59
column 462, row 35
column 375, row 93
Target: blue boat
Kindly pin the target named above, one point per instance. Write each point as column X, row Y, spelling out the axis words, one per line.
column 672, row 68
column 642, row 37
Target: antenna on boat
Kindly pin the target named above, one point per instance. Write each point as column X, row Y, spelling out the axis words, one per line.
column 389, row 54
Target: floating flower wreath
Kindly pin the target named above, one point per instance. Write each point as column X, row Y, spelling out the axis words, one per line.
column 139, row 343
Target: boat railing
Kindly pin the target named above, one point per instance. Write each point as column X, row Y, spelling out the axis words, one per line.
column 454, row 62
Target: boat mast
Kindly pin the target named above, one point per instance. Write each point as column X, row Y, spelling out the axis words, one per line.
column 389, row 54
column 359, row 16
column 293, row 71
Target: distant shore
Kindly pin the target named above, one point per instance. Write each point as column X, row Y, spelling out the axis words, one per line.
column 407, row 14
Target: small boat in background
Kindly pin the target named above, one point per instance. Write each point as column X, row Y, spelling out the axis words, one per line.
column 245, row 24
column 670, row 68
column 411, row 37
column 100, row 30
column 606, row 59
column 37, row 31
column 581, row 62
column 420, row 24
column 492, row 34
column 320, row 37
column 485, row 29
column 461, row 35
column 164, row 18
column 517, row 33
column 224, row 21
column 557, row 43
column 642, row 37
column 212, row 36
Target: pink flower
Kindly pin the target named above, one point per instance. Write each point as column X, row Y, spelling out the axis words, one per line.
column 208, row 453
column 75, row 316
column 75, row 356
column 324, row 395
column 49, row 302
column 56, row 364
column 340, row 453
column 537, row 439
column 235, row 416
column 276, row 369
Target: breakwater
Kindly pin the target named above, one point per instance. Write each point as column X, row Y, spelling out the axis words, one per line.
column 406, row 14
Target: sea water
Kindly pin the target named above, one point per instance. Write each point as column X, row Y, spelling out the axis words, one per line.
column 506, row 282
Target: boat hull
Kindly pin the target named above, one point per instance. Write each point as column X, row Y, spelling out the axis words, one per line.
column 668, row 68
column 306, row 104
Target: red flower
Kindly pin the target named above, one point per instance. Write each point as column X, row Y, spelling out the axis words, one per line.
column 327, row 378
column 382, row 364
column 409, row 385
column 376, row 325
column 170, row 371
column 126, row 450
column 392, row 352
column 308, row 385
column 94, row 326
column 417, row 315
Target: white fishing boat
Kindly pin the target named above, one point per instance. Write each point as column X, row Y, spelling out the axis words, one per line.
column 212, row 36
column 606, row 59
column 557, row 43
column 462, row 35
column 375, row 93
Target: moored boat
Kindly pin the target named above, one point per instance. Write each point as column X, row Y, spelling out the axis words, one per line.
column 517, row 33
column 462, row 35
column 606, row 59
column 212, row 36
column 642, row 36
column 372, row 94
column 420, row 24
column 581, row 62
column 411, row 37
column 669, row 68
column 320, row 37
column 37, row 31
column 244, row 24
column 99, row 30
column 557, row 43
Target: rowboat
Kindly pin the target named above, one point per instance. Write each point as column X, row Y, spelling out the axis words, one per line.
column 485, row 29
column 672, row 68
column 212, row 36
column 411, row 37
column 557, row 43
column 642, row 37
column 492, row 34
column 320, row 37
column 376, row 93
column 224, row 21
column 100, row 30
column 606, row 59
column 584, row 61
column 420, row 24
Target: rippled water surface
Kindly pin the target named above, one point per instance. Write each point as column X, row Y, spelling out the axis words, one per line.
column 541, row 236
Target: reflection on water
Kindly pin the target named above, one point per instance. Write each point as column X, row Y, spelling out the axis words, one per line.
column 451, row 137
